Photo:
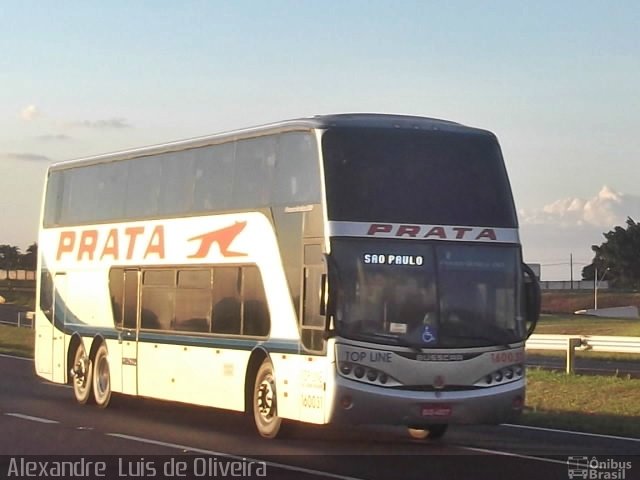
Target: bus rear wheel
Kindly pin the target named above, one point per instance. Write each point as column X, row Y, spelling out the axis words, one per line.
column 430, row 432
column 81, row 376
column 101, row 377
column 265, row 408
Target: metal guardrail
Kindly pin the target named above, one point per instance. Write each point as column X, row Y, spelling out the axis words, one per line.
column 591, row 343
column 23, row 319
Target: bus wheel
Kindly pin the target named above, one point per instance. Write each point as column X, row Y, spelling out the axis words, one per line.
column 432, row 432
column 101, row 378
column 81, row 376
column 265, row 412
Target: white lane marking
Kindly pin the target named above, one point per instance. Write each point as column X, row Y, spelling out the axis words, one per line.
column 515, row 455
column 29, row 417
column 571, row 432
column 234, row 457
column 16, row 358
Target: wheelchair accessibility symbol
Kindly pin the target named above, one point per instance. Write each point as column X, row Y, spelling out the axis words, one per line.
column 427, row 335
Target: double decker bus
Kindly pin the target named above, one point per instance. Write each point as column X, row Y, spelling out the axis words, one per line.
column 353, row 268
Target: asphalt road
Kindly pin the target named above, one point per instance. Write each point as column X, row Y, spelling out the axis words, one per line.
column 39, row 418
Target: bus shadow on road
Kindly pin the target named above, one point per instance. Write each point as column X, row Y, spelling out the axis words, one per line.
column 352, row 440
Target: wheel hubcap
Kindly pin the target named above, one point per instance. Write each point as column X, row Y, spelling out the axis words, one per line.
column 265, row 399
column 80, row 371
column 103, row 375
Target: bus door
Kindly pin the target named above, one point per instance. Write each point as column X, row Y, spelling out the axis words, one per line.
column 313, row 327
column 60, row 318
column 129, row 334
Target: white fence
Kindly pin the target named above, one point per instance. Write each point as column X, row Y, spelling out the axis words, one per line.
column 592, row 343
column 572, row 285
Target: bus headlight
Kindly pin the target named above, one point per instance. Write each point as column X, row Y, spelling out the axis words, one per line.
column 363, row 373
column 503, row 375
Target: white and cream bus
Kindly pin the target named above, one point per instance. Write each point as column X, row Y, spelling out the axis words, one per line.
column 336, row 269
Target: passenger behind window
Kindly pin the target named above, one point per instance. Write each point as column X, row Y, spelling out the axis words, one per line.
column 226, row 316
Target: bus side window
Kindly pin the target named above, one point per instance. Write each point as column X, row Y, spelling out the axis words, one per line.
column 158, row 299
column 226, row 317
column 297, row 172
column 46, row 294
column 254, row 162
column 213, row 173
column 256, row 321
column 193, row 301
column 116, row 292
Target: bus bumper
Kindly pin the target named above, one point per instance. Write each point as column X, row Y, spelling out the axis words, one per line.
column 359, row 403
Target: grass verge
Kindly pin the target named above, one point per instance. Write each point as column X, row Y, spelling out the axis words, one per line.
column 596, row 404
column 17, row 341
column 586, row 325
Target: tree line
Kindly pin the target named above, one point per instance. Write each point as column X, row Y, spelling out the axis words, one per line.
column 12, row 259
column 617, row 259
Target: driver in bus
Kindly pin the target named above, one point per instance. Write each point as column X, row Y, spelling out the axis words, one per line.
column 416, row 305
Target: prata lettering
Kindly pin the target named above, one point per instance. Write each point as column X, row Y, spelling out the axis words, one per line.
column 432, row 232
column 117, row 243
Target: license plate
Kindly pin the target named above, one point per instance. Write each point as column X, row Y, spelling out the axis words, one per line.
column 436, row 411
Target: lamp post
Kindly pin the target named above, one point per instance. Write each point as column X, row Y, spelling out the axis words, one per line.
column 596, row 282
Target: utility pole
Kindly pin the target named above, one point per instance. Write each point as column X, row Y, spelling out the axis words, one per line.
column 571, row 263
column 595, row 290
column 596, row 282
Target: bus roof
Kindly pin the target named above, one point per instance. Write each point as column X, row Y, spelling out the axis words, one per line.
column 343, row 120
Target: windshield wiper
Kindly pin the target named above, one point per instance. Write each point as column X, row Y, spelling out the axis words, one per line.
column 504, row 343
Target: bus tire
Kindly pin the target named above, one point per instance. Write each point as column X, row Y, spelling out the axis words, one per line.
column 101, row 377
column 431, row 432
column 264, row 402
column 81, row 376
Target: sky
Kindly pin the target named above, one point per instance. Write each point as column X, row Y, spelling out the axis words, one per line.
column 557, row 82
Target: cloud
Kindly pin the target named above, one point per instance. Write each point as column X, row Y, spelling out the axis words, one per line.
column 30, row 113
column 607, row 209
column 60, row 137
column 27, row 157
column 111, row 123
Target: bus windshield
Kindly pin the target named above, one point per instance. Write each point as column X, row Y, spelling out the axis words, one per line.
column 426, row 294
column 416, row 176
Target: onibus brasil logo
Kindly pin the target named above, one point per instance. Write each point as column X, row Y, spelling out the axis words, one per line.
column 597, row 469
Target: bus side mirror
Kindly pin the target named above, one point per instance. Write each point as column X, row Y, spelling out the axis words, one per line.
column 532, row 298
column 323, row 294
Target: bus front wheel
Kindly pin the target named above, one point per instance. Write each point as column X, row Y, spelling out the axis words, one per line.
column 431, row 432
column 81, row 373
column 101, row 377
column 265, row 409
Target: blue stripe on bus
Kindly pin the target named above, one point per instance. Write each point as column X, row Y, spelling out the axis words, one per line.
column 272, row 346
